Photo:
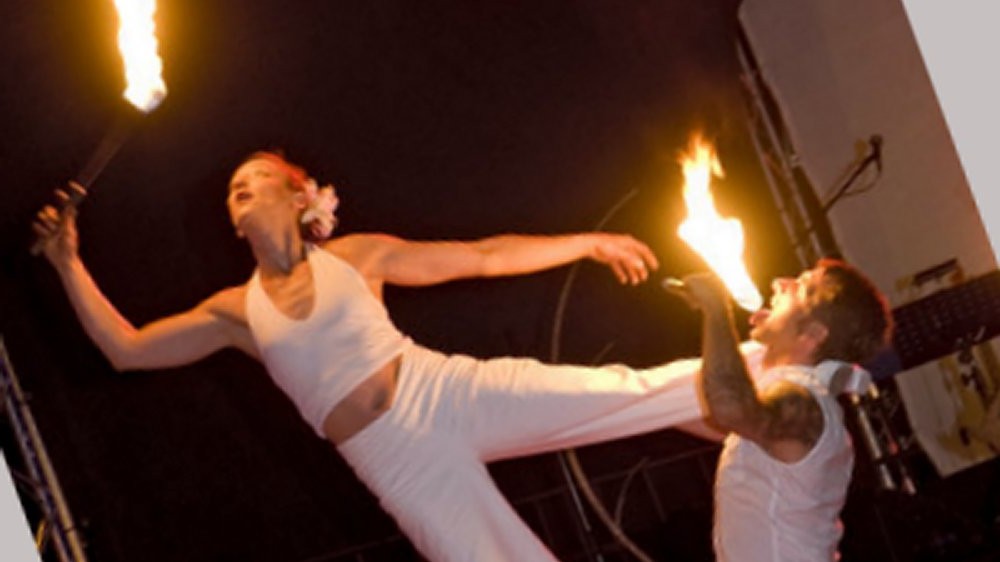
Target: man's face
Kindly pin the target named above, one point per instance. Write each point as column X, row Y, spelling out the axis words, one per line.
column 782, row 326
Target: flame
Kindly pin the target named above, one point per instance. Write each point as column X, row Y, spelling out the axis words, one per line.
column 718, row 240
column 137, row 42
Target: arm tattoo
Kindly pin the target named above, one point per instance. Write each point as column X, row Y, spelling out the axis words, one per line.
column 786, row 412
column 725, row 383
column 794, row 415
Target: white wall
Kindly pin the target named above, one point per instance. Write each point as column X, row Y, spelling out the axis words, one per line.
column 16, row 544
column 843, row 70
column 958, row 41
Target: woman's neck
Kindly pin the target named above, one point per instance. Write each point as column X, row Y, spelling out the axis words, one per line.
column 277, row 253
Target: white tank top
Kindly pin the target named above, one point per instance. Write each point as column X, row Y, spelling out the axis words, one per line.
column 320, row 359
column 771, row 511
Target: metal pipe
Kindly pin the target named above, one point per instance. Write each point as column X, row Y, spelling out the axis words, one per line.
column 62, row 530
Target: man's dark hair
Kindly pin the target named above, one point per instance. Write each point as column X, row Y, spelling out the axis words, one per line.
column 854, row 311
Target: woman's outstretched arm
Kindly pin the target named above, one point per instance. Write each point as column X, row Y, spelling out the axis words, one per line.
column 403, row 262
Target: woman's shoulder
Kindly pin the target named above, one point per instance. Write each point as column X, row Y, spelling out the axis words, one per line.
column 360, row 250
column 229, row 306
column 229, row 303
column 358, row 242
column 366, row 254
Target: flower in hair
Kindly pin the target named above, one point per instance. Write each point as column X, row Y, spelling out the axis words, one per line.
column 322, row 202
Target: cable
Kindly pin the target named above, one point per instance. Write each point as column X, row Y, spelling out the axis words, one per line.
column 569, row 456
column 874, row 157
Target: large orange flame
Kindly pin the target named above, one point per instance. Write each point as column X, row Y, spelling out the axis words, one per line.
column 137, row 42
column 718, row 240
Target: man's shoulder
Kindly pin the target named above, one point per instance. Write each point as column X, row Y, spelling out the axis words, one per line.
column 795, row 419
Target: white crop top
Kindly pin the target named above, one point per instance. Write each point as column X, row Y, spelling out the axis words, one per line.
column 320, row 359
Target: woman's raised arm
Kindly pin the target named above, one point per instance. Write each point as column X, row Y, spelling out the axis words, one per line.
column 175, row 340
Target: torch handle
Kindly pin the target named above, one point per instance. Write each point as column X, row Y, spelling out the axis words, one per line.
column 106, row 150
column 108, row 147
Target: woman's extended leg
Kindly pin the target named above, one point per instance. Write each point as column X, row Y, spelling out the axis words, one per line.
column 509, row 407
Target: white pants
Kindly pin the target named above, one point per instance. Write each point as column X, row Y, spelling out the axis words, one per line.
column 424, row 458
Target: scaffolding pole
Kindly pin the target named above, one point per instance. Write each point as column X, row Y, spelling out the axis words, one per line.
column 57, row 522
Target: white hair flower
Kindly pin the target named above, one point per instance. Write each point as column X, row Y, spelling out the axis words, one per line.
column 322, row 202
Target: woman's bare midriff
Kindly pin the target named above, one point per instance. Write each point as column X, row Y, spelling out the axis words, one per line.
column 363, row 405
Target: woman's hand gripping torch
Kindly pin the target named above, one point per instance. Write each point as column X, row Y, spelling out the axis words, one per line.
column 719, row 241
column 144, row 90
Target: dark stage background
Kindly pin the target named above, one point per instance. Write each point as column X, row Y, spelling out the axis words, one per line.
column 438, row 119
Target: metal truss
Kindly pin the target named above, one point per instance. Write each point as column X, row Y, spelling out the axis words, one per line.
column 56, row 527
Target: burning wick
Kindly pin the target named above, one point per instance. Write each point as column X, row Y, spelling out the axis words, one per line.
column 672, row 283
column 144, row 89
column 144, row 86
column 137, row 42
column 718, row 240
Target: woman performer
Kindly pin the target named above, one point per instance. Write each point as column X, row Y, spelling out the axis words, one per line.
column 415, row 425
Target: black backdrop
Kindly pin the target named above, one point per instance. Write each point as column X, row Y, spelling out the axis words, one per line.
column 439, row 119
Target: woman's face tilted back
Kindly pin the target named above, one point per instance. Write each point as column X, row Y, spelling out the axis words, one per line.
column 261, row 195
